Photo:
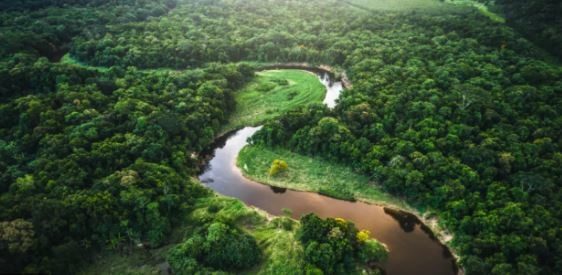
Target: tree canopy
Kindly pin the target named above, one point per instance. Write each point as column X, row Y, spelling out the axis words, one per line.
column 449, row 110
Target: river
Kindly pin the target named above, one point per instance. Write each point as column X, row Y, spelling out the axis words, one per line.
column 413, row 248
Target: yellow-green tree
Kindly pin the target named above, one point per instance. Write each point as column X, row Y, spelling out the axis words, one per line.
column 278, row 166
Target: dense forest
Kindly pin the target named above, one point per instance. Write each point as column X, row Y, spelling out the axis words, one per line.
column 104, row 106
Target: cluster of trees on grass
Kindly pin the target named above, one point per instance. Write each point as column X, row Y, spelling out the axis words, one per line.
column 335, row 246
column 221, row 247
column 450, row 111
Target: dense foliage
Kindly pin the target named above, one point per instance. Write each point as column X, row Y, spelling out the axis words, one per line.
column 204, row 31
column 335, row 246
column 461, row 119
column 222, row 247
column 449, row 110
column 108, row 152
column 92, row 158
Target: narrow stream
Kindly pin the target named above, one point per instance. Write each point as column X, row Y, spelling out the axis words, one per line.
column 413, row 248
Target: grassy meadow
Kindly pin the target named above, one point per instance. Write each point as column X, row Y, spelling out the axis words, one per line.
column 311, row 174
column 272, row 93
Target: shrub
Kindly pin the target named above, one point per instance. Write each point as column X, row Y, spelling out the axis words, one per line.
column 292, row 95
column 265, row 87
column 280, row 82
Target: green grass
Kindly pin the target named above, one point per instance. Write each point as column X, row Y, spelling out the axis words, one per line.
column 284, row 253
column 266, row 97
column 312, row 174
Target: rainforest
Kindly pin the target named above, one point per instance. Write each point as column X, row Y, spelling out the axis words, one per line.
column 281, row 137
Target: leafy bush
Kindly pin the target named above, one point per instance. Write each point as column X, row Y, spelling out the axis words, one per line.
column 265, row 87
column 280, row 82
column 292, row 95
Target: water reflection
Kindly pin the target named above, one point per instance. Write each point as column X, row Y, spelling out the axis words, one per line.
column 278, row 190
column 406, row 220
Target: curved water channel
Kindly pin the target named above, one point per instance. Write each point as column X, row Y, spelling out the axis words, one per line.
column 413, row 248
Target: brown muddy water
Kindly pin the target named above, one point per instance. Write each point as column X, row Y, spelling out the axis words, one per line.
column 413, row 248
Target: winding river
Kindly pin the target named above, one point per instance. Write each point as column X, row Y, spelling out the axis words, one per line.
column 413, row 248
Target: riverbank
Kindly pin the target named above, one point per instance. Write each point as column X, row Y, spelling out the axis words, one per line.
column 316, row 175
column 311, row 174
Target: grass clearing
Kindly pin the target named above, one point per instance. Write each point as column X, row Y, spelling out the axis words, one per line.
column 312, row 174
column 284, row 253
column 272, row 93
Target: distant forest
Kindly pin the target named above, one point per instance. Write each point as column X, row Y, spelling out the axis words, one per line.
column 539, row 20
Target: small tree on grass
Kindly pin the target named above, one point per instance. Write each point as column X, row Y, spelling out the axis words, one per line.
column 277, row 167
